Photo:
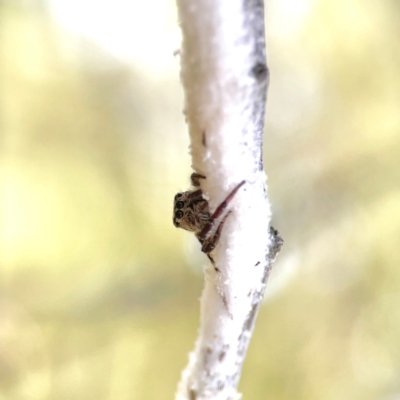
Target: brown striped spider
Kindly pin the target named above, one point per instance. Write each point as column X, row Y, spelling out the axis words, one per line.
column 192, row 213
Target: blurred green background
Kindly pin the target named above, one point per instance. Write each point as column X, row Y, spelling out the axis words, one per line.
column 99, row 292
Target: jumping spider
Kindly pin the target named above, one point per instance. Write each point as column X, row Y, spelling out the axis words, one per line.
column 191, row 212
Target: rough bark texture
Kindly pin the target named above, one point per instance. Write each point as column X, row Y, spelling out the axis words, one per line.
column 225, row 79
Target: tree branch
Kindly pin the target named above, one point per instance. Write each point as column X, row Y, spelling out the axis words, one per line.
column 225, row 79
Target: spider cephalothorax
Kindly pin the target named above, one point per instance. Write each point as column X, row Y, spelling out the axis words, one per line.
column 191, row 212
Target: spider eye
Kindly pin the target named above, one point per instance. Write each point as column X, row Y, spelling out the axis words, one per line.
column 179, row 205
column 179, row 214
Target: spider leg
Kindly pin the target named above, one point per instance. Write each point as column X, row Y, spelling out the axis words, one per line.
column 224, row 204
column 195, row 179
column 213, row 263
column 208, row 245
column 217, row 213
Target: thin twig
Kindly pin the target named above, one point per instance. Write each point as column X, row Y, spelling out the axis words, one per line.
column 225, row 79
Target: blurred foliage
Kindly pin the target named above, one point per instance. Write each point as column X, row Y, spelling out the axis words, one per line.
column 97, row 300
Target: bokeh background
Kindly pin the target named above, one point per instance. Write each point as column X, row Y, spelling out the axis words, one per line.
column 99, row 292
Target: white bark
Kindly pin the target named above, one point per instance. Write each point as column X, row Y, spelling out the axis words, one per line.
column 225, row 78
